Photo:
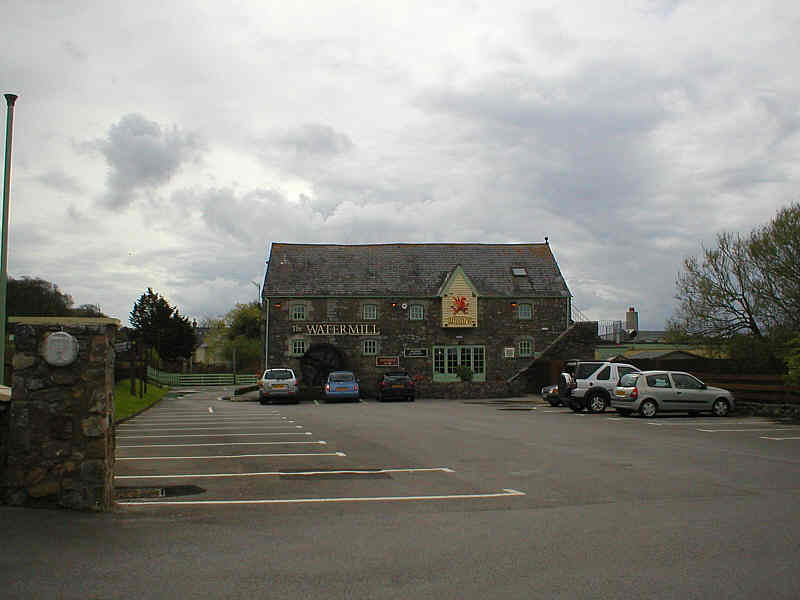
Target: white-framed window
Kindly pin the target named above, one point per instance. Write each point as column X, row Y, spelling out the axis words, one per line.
column 525, row 312
column 297, row 312
column 370, row 312
column 525, row 348
column 369, row 347
column 297, row 347
column 416, row 312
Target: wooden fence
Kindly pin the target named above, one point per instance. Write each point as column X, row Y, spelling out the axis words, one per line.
column 179, row 379
column 768, row 389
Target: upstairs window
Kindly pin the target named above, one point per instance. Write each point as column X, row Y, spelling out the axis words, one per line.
column 525, row 348
column 416, row 312
column 298, row 312
column 525, row 312
column 369, row 347
column 370, row 312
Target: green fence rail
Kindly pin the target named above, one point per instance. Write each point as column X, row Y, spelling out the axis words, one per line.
column 165, row 378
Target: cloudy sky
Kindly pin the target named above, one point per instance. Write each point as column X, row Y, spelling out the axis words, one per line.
column 167, row 144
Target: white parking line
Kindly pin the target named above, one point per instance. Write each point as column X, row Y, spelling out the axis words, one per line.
column 235, row 427
column 283, row 454
column 206, row 435
column 505, row 493
column 746, row 430
column 290, row 473
column 779, row 439
column 222, row 444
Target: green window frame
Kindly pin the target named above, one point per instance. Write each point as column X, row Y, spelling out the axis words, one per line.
column 525, row 311
column 370, row 312
column 297, row 312
column 297, row 347
column 416, row 312
column 525, row 348
column 369, row 347
column 447, row 360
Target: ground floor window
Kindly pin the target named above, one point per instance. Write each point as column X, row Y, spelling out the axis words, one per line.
column 297, row 347
column 447, row 360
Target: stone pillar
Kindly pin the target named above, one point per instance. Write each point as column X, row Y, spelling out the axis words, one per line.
column 59, row 443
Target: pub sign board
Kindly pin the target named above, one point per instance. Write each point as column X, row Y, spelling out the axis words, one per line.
column 416, row 353
column 387, row 361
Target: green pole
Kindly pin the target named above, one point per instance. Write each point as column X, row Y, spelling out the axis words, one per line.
column 10, row 100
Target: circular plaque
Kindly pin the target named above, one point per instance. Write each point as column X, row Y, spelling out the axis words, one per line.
column 60, row 349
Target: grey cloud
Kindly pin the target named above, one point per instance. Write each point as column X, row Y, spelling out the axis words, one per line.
column 313, row 140
column 61, row 181
column 141, row 155
column 73, row 50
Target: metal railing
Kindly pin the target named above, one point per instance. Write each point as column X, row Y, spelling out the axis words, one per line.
column 165, row 378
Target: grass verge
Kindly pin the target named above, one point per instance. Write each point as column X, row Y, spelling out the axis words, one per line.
column 126, row 405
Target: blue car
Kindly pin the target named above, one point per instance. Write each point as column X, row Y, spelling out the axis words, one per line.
column 341, row 385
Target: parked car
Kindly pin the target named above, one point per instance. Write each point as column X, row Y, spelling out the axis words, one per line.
column 650, row 392
column 590, row 384
column 550, row 393
column 277, row 384
column 396, row 384
column 341, row 385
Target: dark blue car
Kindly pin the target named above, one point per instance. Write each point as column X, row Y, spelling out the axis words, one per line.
column 341, row 385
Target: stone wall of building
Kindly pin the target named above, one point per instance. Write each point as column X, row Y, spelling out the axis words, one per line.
column 58, row 439
column 499, row 329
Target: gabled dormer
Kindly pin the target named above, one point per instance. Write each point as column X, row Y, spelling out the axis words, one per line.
column 459, row 300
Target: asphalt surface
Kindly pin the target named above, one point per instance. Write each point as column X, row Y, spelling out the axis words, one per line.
column 435, row 498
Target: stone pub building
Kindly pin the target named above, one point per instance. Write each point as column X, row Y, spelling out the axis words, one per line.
column 438, row 311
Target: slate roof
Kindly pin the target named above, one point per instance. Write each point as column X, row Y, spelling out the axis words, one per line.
column 412, row 270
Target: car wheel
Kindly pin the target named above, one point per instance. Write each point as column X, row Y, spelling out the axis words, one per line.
column 555, row 402
column 624, row 412
column 648, row 409
column 379, row 396
column 720, row 408
column 596, row 403
column 693, row 413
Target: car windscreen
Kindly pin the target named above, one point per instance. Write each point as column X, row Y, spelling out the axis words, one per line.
column 278, row 374
column 342, row 377
column 629, row 380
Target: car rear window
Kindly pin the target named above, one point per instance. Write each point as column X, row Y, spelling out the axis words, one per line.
column 342, row 377
column 584, row 370
column 629, row 380
column 278, row 374
column 397, row 376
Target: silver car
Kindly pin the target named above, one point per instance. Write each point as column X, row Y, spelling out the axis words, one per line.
column 650, row 392
column 277, row 384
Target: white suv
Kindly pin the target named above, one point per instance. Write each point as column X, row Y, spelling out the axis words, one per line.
column 590, row 384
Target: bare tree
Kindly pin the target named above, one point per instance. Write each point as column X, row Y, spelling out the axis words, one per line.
column 720, row 293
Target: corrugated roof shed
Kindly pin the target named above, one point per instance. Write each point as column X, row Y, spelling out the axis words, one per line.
column 413, row 270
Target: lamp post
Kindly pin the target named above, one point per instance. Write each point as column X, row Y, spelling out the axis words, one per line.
column 10, row 100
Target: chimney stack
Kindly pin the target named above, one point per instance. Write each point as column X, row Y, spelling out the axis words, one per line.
column 631, row 319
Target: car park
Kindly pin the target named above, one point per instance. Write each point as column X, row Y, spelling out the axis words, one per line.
column 651, row 392
column 396, row 385
column 590, row 384
column 277, row 384
column 341, row 385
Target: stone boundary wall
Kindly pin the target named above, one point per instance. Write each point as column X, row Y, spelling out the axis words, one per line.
column 57, row 444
